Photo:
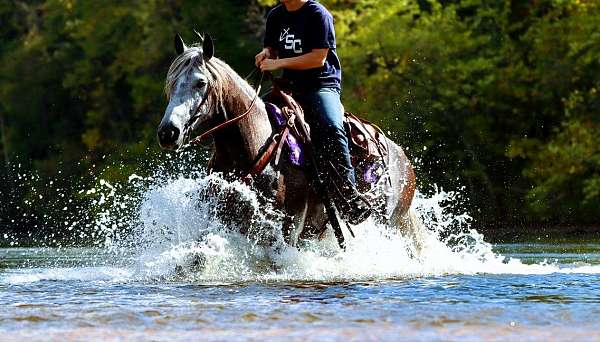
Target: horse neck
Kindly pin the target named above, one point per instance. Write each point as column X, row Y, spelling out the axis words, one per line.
column 237, row 147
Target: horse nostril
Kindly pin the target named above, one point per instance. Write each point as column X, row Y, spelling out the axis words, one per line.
column 172, row 132
column 168, row 135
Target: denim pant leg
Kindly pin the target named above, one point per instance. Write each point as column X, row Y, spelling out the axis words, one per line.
column 323, row 112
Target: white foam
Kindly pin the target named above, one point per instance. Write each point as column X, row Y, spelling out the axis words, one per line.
column 32, row 275
column 171, row 223
column 175, row 225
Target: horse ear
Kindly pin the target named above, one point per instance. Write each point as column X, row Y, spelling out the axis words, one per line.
column 208, row 48
column 199, row 35
column 179, row 44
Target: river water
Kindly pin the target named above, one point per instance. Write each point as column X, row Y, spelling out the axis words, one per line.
column 169, row 270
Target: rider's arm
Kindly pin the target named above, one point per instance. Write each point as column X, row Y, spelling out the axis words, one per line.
column 320, row 39
column 314, row 59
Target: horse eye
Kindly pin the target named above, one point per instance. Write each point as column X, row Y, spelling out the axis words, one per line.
column 200, row 84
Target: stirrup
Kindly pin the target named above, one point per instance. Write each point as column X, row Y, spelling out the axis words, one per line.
column 358, row 213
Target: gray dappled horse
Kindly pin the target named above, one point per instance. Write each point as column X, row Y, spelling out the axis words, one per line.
column 203, row 91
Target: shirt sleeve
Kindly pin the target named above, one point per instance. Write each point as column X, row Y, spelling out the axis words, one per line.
column 270, row 39
column 321, row 32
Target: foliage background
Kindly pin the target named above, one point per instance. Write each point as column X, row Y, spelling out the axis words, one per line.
column 498, row 98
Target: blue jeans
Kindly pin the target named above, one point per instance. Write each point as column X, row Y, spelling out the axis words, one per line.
column 323, row 112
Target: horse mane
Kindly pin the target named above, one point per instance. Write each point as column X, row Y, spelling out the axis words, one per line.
column 221, row 77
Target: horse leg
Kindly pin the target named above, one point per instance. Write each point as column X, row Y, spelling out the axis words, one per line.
column 316, row 218
column 293, row 223
column 292, row 192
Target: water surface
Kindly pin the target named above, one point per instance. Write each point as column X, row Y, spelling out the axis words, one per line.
column 83, row 294
column 165, row 267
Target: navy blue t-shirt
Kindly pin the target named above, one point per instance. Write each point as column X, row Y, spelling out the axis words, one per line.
column 296, row 33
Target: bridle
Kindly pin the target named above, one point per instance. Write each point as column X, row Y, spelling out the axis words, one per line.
column 273, row 146
column 198, row 140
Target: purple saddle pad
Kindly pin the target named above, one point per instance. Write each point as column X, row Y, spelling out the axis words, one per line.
column 370, row 174
column 294, row 146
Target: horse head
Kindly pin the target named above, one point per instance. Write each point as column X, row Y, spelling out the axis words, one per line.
column 188, row 89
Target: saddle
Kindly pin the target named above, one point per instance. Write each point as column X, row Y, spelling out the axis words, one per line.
column 367, row 142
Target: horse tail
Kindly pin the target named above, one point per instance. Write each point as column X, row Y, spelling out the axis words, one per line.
column 402, row 180
column 415, row 231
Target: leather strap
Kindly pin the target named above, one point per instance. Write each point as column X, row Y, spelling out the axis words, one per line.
column 275, row 145
column 285, row 133
column 264, row 159
column 198, row 140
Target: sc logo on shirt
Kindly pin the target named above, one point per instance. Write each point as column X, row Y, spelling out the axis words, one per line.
column 290, row 42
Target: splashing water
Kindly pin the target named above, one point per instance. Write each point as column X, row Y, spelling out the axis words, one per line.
column 163, row 258
column 176, row 226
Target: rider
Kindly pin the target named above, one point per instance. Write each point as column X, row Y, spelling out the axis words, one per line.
column 300, row 39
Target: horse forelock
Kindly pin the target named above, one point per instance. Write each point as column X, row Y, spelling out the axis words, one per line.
column 179, row 67
column 221, row 78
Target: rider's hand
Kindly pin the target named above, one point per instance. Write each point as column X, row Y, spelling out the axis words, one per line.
column 270, row 64
column 261, row 56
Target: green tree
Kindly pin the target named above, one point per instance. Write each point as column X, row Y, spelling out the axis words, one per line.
column 564, row 165
column 497, row 97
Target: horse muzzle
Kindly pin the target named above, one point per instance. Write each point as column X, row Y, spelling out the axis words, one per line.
column 168, row 136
